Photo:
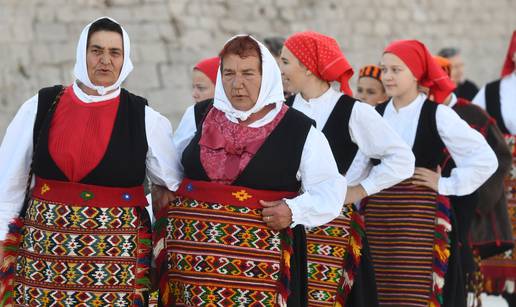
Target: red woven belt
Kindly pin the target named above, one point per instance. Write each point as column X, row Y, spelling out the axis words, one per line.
column 79, row 194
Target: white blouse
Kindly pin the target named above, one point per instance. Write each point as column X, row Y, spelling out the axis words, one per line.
column 474, row 158
column 374, row 138
column 507, row 101
column 324, row 189
column 16, row 154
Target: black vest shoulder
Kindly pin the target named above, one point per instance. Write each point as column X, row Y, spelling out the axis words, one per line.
column 275, row 164
column 46, row 97
column 493, row 106
column 123, row 164
column 201, row 110
column 290, row 100
column 381, row 107
column 428, row 147
column 336, row 131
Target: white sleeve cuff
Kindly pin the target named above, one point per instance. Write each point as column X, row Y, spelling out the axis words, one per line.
column 297, row 215
column 442, row 186
column 369, row 186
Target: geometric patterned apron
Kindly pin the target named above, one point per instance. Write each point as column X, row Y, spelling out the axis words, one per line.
column 72, row 254
column 220, row 252
column 333, row 255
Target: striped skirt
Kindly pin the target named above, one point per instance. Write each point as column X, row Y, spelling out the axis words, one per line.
column 407, row 230
column 83, row 256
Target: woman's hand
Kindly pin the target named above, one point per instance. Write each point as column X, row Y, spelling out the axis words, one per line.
column 427, row 178
column 276, row 214
column 355, row 194
column 161, row 197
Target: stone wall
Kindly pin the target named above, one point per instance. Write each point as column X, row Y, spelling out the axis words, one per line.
column 38, row 38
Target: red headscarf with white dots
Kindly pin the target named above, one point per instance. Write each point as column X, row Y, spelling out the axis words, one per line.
column 321, row 54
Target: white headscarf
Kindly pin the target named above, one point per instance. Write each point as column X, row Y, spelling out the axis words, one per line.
column 81, row 69
column 271, row 89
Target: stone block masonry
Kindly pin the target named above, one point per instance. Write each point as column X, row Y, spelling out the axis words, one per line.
column 38, row 38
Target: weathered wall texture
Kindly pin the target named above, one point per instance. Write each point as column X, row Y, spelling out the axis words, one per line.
column 38, row 38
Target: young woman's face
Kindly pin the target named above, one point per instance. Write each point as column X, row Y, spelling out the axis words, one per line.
column 397, row 78
column 370, row 91
column 294, row 74
column 202, row 87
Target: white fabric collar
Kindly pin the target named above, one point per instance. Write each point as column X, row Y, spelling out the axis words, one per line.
column 91, row 98
column 271, row 89
column 416, row 103
column 329, row 95
column 81, row 69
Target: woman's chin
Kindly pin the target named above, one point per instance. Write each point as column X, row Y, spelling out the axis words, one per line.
column 242, row 104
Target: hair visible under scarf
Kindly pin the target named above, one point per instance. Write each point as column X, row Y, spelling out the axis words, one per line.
column 81, row 67
column 243, row 46
column 509, row 66
column 321, row 54
column 104, row 24
column 371, row 71
column 423, row 66
column 271, row 88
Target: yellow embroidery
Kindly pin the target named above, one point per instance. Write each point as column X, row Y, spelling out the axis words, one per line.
column 45, row 188
column 241, row 195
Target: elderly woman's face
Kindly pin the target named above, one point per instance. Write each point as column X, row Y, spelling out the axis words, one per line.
column 241, row 78
column 104, row 57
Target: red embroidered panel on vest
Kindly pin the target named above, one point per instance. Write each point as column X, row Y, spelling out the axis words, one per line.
column 79, row 134
column 227, row 147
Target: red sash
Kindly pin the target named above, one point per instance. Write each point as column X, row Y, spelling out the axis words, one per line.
column 79, row 194
column 229, row 194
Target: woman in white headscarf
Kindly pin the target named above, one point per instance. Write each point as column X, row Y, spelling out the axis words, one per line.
column 235, row 232
column 83, row 235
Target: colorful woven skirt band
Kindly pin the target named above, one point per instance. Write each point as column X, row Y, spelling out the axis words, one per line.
column 229, row 195
column 79, row 194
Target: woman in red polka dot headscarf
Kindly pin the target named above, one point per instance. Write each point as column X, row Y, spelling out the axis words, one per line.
column 310, row 61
